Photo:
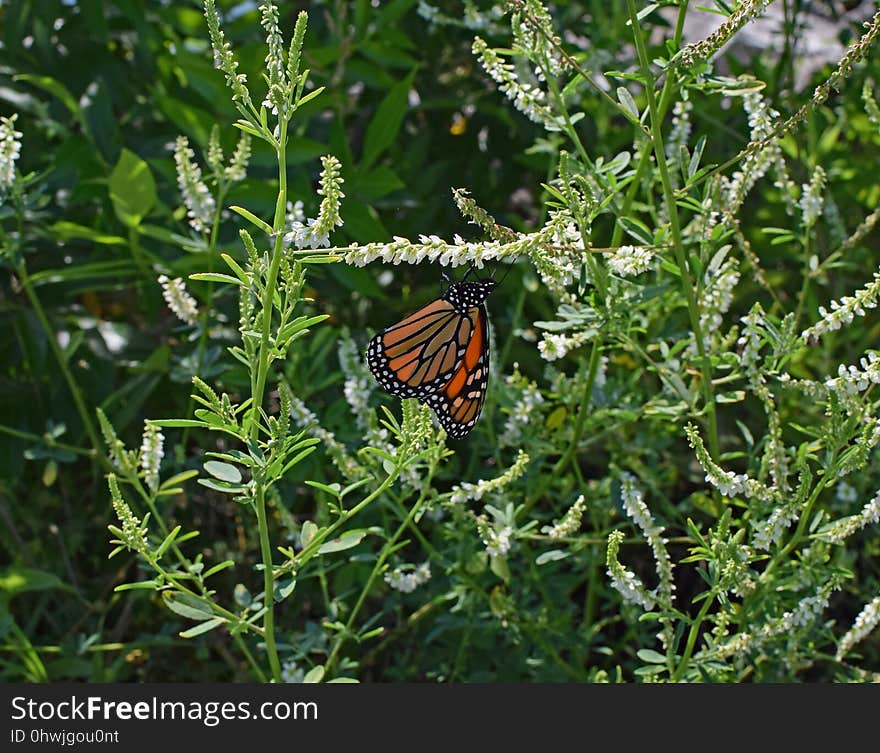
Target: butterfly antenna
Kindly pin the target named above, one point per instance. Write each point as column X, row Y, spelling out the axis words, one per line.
column 509, row 267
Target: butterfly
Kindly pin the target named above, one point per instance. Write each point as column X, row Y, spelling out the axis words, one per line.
column 440, row 355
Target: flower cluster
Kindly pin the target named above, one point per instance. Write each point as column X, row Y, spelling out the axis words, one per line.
column 315, row 233
column 699, row 51
column 813, row 197
column 435, row 250
column 358, row 382
column 152, row 451
column 845, row 527
column 635, row 507
column 527, row 98
column 133, row 534
column 306, row 419
column 534, row 38
column 10, row 149
column 863, row 626
column 408, row 578
column 276, row 94
column 570, row 523
column 496, row 540
column 224, row 59
column 556, row 346
column 851, row 380
column 200, row 204
column 804, row 614
column 236, row 170
column 624, row 581
column 628, row 261
column 717, row 295
column 181, row 303
column 845, row 310
column 467, row 491
column 728, row 483
column 766, row 154
column 520, row 415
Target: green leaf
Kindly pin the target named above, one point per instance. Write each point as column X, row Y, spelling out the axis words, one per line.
column 631, row 109
column 178, row 423
column 498, row 565
column 56, row 89
column 383, row 128
column 66, row 231
column 187, row 606
column 253, row 219
column 223, row 471
column 203, row 627
column 315, row 674
column 649, row 656
column 216, row 277
column 221, row 486
column 141, row 585
column 307, row 533
column 179, row 478
column 552, row 556
column 15, row 580
column 346, row 541
column 132, row 189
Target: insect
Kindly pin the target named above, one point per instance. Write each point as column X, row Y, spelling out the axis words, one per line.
column 440, row 355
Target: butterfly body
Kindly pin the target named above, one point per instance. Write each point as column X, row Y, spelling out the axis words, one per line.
column 440, row 355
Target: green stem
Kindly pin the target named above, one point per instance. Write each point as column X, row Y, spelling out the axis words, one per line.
column 380, row 562
column 12, row 432
column 694, row 631
column 675, row 227
column 312, row 547
column 257, row 398
column 72, row 385
column 268, row 585
column 586, row 397
column 209, row 304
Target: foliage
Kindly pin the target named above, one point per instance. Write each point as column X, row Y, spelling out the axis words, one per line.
column 674, row 477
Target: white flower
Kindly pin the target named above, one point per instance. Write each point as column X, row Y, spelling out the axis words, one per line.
column 570, row 522
column 528, row 99
column 152, row 451
column 523, row 410
column 635, row 507
column 813, row 198
column 199, row 202
column 844, row 311
column 498, row 542
column 10, row 149
column 181, row 303
column 630, row 260
column 555, row 346
column 865, row 623
column 846, row 527
column 408, row 578
column 467, row 491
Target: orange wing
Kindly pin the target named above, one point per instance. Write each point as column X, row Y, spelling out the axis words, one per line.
column 417, row 356
column 458, row 404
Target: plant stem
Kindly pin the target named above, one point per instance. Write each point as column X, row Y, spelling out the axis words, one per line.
column 693, row 632
column 586, row 397
column 72, row 385
column 675, row 227
column 268, row 585
column 257, row 398
column 380, row 561
column 209, row 304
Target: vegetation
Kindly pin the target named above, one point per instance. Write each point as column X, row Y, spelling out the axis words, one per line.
column 206, row 212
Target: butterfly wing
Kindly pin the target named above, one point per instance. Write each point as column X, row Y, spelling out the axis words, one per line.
column 458, row 404
column 417, row 356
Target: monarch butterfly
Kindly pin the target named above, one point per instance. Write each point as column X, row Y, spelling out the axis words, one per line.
column 440, row 355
